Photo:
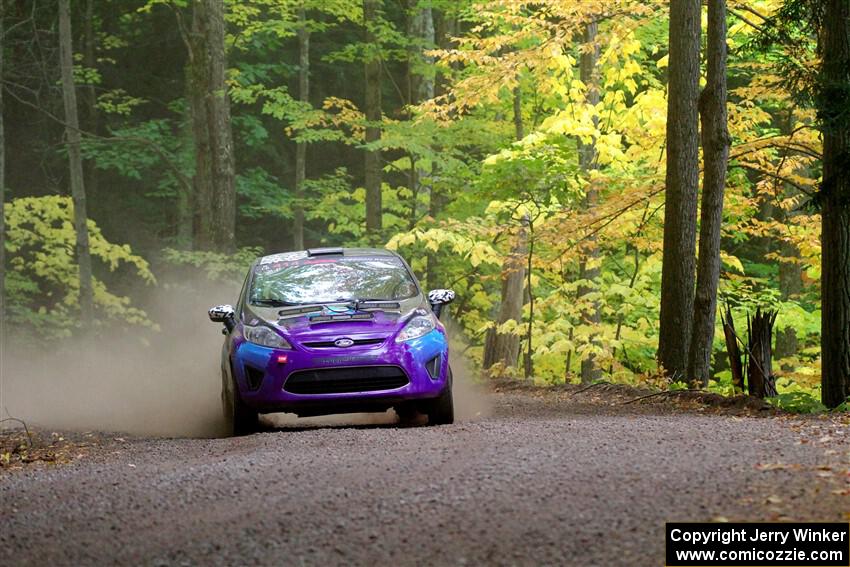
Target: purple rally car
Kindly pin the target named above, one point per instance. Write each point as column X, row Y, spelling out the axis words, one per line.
column 334, row 330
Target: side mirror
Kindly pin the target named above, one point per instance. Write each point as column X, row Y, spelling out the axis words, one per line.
column 223, row 314
column 439, row 297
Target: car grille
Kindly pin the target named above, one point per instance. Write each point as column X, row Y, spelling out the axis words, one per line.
column 346, row 380
column 330, row 344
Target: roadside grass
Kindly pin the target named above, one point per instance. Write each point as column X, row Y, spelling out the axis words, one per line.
column 795, row 396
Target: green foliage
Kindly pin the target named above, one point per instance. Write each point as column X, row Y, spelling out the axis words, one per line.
column 262, row 195
column 798, row 402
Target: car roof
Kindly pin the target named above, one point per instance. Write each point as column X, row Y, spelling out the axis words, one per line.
column 325, row 253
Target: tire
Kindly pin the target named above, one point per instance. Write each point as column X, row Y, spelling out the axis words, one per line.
column 407, row 413
column 441, row 411
column 239, row 419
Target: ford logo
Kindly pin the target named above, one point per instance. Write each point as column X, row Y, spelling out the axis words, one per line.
column 343, row 343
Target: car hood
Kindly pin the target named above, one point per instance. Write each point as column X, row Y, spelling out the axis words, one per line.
column 314, row 326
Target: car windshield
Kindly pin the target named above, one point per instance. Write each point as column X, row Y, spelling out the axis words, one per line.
column 325, row 280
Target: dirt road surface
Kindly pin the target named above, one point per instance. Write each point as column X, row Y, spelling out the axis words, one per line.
column 545, row 479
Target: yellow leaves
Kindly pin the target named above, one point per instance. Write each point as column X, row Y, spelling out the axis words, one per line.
column 479, row 253
column 576, row 120
column 610, row 149
column 405, row 239
column 631, row 68
column 503, row 155
column 41, row 236
column 533, row 45
column 510, row 327
column 434, row 239
column 731, row 262
column 563, row 62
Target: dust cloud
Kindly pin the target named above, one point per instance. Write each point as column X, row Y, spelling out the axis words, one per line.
column 136, row 381
column 470, row 397
column 164, row 383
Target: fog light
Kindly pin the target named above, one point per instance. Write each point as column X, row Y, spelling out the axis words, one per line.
column 282, row 359
column 433, row 367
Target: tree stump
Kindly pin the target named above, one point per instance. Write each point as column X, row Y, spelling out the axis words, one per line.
column 733, row 350
column 760, row 378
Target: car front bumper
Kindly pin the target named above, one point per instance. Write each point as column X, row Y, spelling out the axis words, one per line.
column 261, row 377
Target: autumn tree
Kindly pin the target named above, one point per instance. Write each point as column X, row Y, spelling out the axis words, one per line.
column 75, row 161
column 715, row 144
column 589, row 268
column 682, row 184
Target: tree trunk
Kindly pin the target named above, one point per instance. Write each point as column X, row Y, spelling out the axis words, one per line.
column 90, row 100
column 760, row 379
column 503, row 348
column 680, row 203
column 519, row 130
column 420, row 26
column 444, row 29
column 185, row 212
column 529, row 333
column 589, row 269
column 715, row 143
column 78, row 190
column 835, row 197
column 372, row 164
column 2, row 184
column 301, row 147
column 214, row 182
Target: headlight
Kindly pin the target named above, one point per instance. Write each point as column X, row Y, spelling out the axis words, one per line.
column 262, row 335
column 418, row 326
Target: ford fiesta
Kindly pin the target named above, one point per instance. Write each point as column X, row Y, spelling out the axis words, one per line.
column 334, row 330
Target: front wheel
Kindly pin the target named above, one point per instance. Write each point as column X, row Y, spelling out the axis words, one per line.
column 441, row 411
column 239, row 419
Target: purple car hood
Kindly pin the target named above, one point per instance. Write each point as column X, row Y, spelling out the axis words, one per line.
column 381, row 325
column 305, row 328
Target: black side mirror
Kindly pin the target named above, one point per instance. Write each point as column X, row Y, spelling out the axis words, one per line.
column 439, row 297
column 223, row 314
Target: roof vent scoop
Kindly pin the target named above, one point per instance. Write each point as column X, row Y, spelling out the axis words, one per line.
column 311, row 252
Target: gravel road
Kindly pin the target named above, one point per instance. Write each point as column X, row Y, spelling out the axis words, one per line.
column 545, row 479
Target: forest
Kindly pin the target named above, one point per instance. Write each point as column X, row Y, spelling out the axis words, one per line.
column 624, row 191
